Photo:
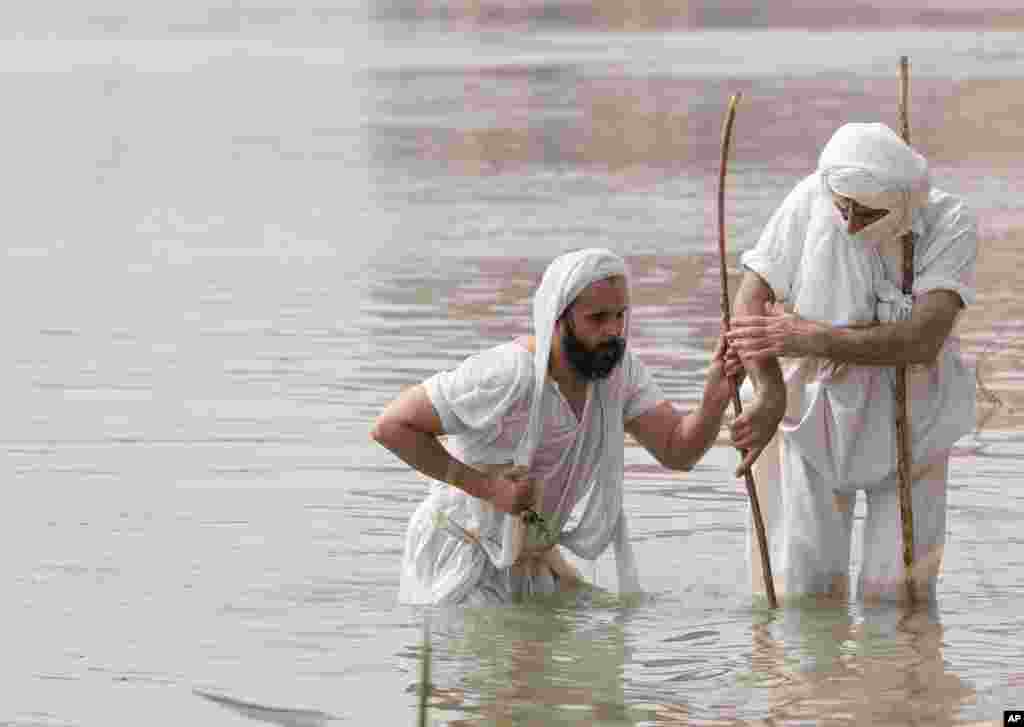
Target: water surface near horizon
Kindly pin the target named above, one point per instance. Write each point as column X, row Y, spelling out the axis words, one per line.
column 226, row 251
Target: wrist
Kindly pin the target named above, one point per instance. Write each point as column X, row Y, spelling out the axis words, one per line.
column 771, row 400
column 775, row 406
column 770, row 389
column 715, row 403
column 821, row 341
column 485, row 485
column 773, row 396
column 473, row 482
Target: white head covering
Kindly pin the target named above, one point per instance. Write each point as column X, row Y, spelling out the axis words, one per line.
column 566, row 277
column 842, row 276
column 872, row 165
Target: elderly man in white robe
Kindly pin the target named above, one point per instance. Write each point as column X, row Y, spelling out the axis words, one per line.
column 534, row 457
column 821, row 325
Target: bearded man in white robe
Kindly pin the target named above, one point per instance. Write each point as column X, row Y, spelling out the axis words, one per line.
column 533, row 460
column 821, row 325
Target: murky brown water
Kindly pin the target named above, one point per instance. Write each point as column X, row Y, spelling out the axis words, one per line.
column 235, row 233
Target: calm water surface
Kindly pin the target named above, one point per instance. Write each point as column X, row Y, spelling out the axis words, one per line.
column 233, row 234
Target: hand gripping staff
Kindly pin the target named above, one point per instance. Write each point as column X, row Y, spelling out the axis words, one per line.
column 755, row 507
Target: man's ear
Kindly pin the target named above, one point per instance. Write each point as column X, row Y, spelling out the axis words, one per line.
column 564, row 319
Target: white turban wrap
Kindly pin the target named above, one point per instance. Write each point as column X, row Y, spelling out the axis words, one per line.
column 566, row 277
column 843, row 278
column 872, row 165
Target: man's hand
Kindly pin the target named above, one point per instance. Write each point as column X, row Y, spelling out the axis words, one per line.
column 510, row 492
column 726, row 372
column 755, row 427
column 776, row 333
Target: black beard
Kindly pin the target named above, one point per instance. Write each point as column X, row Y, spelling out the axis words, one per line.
column 592, row 363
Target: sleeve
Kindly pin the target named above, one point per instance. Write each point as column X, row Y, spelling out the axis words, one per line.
column 642, row 392
column 776, row 256
column 475, row 395
column 950, row 259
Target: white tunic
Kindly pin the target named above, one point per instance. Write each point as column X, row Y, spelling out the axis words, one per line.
column 844, row 424
column 484, row 406
column 838, row 434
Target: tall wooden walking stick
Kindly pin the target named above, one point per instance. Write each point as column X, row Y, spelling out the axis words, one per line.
column 903, row 440
column 737, row 405
column 424, row 675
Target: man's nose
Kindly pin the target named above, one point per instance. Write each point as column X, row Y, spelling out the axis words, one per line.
column 614, row 327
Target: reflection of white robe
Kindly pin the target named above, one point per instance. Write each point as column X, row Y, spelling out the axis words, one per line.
column 841, row 426
column 485, row 405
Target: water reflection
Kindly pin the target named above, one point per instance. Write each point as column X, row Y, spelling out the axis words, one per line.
column 990, row 330
column 657, row 15
column 559, row 661
column 613, row 118
column 884, row 668
column 572, row 663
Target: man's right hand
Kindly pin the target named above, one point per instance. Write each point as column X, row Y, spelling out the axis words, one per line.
column 755, row 427
column 511, row 492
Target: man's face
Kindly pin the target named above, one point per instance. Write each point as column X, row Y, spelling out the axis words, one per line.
column 856, row 215
column 593, row 327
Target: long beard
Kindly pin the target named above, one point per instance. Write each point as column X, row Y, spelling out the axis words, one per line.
column 592, row 363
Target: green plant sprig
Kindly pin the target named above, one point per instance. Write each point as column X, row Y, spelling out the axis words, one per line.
column 532, row 518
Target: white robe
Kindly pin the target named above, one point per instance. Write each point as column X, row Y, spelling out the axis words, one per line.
column 846, row 424
column 838, row 433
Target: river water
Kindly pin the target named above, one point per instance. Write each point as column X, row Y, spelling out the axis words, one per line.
column 234, row 233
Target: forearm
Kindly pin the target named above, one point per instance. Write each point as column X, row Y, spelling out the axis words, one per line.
column 425, row 453
column 765, row 373
column 887, row 344
column 695, row 433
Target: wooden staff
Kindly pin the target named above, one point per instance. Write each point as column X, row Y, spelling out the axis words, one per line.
column 903, row 440
column 424, row 674
column 737, row 405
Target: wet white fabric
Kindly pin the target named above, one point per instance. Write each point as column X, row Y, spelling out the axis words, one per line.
column 488, row 406
column 840, row 424
column 810, row 528
column 843, row 422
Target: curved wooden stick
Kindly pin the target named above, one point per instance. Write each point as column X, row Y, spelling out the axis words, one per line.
column 737, row 405
column 903, row 440
column 424, row 674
